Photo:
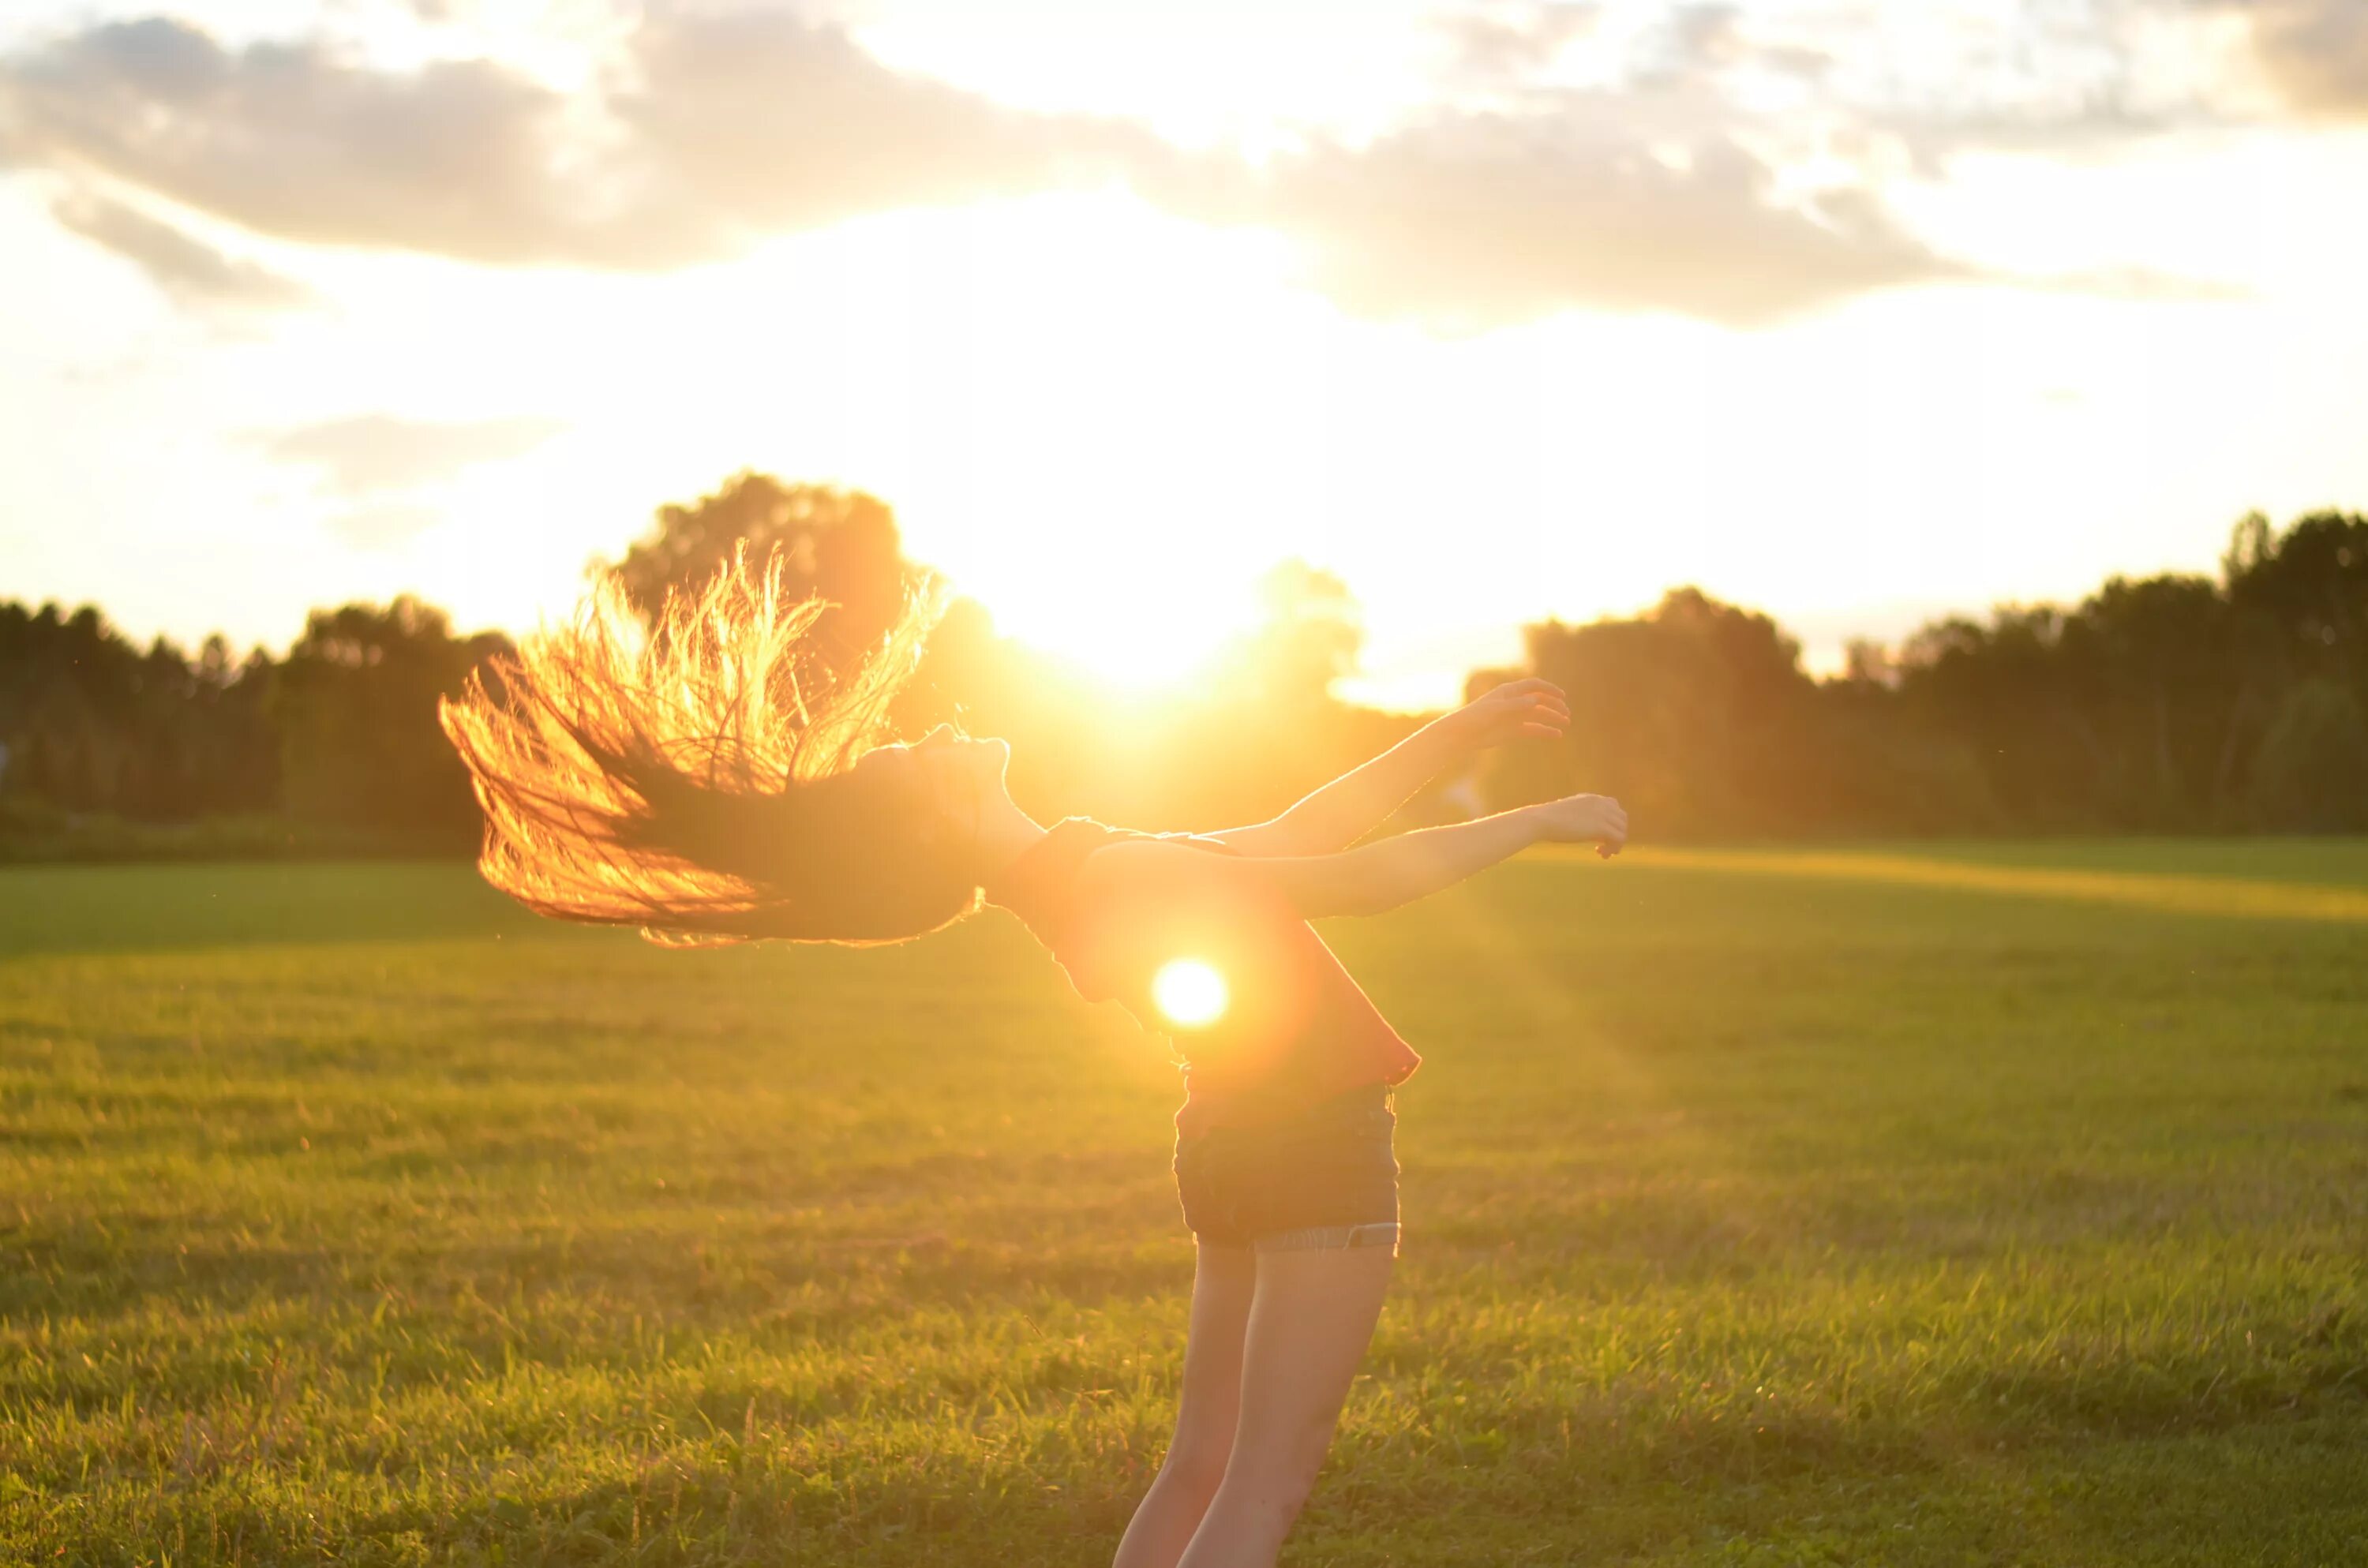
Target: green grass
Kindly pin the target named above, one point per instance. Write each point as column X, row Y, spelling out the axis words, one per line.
column 1759, row 1212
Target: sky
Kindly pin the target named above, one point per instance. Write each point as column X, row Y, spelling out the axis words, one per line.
column 1856, row 312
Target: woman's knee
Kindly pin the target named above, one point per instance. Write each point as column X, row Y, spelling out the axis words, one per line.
column 1197, row 1466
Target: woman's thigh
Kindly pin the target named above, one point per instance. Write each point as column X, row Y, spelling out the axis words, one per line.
column 1225, row 1282
column 1310, row 1321
column 1309, row 1324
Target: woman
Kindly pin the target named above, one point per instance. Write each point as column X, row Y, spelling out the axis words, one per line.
column 708, row 781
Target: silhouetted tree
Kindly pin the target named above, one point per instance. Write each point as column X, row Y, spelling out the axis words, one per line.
column 2163, row 704
column 1694, row 706
column 1309, row 634
column 2311, row 774
column 842, row 544
column 356, row 712
column 91, row 723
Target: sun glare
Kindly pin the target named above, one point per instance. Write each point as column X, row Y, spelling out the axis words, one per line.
column 1101, row 465
column 1189, row 993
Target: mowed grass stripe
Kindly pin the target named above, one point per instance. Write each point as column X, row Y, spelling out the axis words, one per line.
column 2225, row 896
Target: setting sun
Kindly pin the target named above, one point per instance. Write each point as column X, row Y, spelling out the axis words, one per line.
column 1189, row 993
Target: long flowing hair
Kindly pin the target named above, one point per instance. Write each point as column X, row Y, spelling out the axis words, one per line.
column 693, row 777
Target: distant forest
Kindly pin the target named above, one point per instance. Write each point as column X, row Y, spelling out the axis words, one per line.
column 2168, row 704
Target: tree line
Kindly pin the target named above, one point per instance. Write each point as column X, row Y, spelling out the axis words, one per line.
column 2175, row 703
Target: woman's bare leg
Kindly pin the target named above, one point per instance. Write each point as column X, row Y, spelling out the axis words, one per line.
column 1310, row 1322
column 1223, row 1280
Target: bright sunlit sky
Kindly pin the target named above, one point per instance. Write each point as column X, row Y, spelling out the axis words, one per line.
column 1852, row 311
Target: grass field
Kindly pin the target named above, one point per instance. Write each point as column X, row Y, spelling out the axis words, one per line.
column 2004, row 1204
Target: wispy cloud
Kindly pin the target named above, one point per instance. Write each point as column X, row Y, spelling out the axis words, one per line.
column 1487, row 44
column 2146, row 285
column 1471, row 220
column 384, row 525
column 372, row 453
column 190, row 271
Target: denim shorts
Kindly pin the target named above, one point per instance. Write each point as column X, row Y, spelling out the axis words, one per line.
column 1322, row 1178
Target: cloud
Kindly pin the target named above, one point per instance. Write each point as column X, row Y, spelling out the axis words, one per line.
column 2146, row 285
column 385, row 526
column 192, row 273
column 2106, row 76
column 1698, row 39
column 373, row 452
column 2315, row 53
column 775, row 124
column 709, row 131
column 1472, row 221
column 457, row 158
column 1510, row 43
column 714, row 131
column 1870, row 86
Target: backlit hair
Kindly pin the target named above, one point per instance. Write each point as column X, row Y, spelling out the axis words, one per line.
column 693, row 778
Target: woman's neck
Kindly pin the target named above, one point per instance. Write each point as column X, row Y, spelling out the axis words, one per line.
column 1005, row 832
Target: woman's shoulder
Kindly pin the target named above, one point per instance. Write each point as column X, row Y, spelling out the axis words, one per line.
column 1075, row 837
column 1134, row 871
column 1080, row 854
column 1046, row 869
column 1048, row 863
column 1095, row 826
column 1116, row 849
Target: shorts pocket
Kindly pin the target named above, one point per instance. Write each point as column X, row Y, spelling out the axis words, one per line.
column 1207, row 1185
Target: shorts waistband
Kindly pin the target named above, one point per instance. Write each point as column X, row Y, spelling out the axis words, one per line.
column 1328, row 1238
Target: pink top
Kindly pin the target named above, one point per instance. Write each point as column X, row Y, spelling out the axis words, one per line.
column 1296, row 1028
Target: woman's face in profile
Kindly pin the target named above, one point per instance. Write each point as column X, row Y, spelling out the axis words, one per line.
column 962, row 760
column 957, row 775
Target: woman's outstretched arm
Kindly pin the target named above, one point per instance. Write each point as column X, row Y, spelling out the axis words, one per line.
column 1382, row 875
column 1350, row 806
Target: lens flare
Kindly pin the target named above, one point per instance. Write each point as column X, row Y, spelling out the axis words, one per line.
column 1189, row 993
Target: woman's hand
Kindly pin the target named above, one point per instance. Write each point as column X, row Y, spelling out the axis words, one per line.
column 1518, row 708
column 1584, row 819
